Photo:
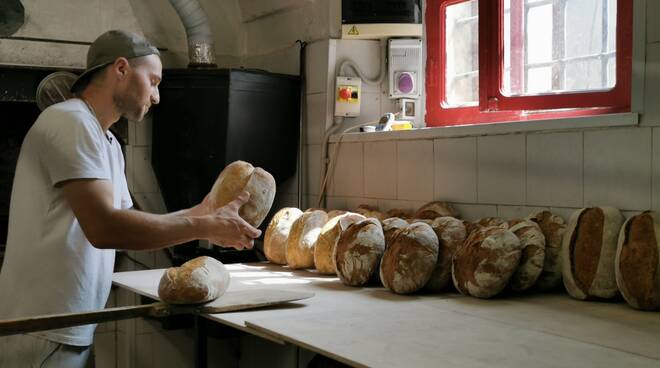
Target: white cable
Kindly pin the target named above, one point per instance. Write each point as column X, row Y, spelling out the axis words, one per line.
column 381, row 74
column 333, row 158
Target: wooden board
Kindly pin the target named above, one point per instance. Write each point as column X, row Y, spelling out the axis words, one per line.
column 424, row 336
column 229, row 302
column 250, row 299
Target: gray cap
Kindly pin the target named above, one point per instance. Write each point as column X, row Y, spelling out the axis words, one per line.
column 107, row 48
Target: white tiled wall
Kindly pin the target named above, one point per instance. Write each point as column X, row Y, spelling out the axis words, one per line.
column 515, row 174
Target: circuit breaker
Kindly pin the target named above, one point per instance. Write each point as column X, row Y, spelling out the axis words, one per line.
column 348, row 93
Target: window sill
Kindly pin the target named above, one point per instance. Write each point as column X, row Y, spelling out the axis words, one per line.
column 550, row 125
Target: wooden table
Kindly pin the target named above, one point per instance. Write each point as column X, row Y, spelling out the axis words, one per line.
column 375, row 328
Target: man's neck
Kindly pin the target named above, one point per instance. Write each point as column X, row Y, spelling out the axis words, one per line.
column 102, row 106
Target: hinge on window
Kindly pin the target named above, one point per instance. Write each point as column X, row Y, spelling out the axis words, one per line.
column 492, row 104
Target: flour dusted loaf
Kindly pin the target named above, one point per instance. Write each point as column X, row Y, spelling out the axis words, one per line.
column 451, row 234
column 399, row 212
column 638, row 263
column 358, row 252
column 237, row 177
column 327, row 241
column 409, row 261
column 532, row 257
column 433, row 210
column 391, row 226
column 589, row 251
column 278, row 232
column 484, row 264
column 553, row 228
column 199, row 280
column 370, row 211
column 304, row 233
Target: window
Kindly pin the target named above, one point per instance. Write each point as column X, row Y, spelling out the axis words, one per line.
column 507, row 60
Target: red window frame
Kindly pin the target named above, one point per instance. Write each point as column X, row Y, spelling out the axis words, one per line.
column 494, row 106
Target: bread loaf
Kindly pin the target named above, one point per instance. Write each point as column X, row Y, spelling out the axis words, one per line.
column 199, row 280
column 451, row 234
column 532, row 257
column 237, row 177
column 589, row 251
column 278, row 232
column 484, row 264
column 304, row 233
column 433, row 210
column 398, row 212
column 370, row 211
column 553, row 228
column 409, row 261
column 335, row 213
column 358, row 252
column 638, row 262
column 391, row 226
column 491, row 221
column 327, row 241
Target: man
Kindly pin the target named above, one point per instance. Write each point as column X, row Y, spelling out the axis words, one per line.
column 70, row 206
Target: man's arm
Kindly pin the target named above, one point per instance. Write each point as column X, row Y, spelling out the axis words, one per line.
column 109, row 228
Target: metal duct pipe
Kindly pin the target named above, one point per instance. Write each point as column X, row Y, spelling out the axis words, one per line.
column 200, row 40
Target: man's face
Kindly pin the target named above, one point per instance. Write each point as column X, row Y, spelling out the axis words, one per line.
column 139, row 91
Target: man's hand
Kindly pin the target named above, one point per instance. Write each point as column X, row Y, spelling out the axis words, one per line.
column 230, row 229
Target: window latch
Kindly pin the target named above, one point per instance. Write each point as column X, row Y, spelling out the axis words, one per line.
column 492, row 104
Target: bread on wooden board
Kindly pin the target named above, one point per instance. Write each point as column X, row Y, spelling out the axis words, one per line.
column 589, row 251
column 278, row 232
column 637, row 263
column 199, row 280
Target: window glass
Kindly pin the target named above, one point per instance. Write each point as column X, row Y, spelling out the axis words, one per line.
column 462, row 54
column 566, row 46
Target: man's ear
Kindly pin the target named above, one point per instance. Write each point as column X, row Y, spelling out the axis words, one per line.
column 121, row 67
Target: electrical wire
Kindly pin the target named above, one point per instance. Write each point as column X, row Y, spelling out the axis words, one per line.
column 331, row 161
column 356, row 69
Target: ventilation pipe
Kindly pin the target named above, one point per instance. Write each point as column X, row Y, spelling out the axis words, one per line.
column 200, row 40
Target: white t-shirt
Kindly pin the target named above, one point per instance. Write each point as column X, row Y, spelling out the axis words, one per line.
column 50, row 266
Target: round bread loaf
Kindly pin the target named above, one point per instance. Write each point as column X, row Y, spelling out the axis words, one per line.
column 304, row 233
column 409, row 261
column 358, row 252
column 278, row 232
column 553, row 228
column 335, row 213
column 370, row 211
column 638, row 261
column 433, row 210
column 237, row 177
column 391, row 226
column 484, row 264
column 589, row 251
column 532, row 257
column 491, row 221
column 327, row 241
column 451, row 234
column 199, row 280
column 398, row 212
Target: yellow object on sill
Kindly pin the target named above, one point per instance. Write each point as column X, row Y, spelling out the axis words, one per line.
column 402, row 126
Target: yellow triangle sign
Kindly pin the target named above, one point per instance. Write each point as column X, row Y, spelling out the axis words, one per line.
column 353, row 31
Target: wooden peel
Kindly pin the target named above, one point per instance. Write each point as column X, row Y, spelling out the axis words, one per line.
column 229, row 302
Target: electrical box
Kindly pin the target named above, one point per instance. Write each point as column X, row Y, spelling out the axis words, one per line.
column 379, row 19
column 405, row 68
column 348, row 93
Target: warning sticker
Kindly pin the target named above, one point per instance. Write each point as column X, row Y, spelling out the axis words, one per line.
column 353, row 31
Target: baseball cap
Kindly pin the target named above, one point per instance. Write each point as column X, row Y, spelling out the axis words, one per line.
column 107, row 48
